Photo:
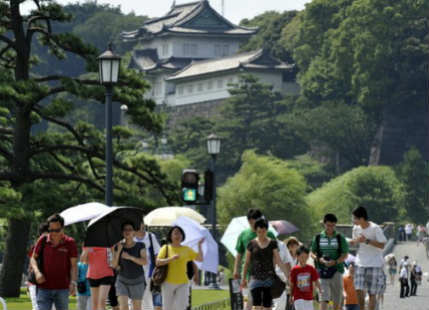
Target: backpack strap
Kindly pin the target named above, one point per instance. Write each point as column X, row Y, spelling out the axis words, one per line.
column 318, row 251
column 151, row 250
column 339, row 244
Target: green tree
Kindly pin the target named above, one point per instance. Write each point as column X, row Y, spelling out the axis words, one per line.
column 375, row 187
column 370, row 53
column 270, row 25
column 267, row 183
column 345, row 130
column 414, row 174
column 72, row 154
column 252, row 120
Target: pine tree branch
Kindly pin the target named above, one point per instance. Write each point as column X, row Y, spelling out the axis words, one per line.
column 4, row 50
column 7, row 41
column 6, row 154
column 63, row 124
column 66, row 177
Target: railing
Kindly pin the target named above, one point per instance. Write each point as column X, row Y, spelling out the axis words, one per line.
column 390, row 233
column 217, row 305
column 3, row 303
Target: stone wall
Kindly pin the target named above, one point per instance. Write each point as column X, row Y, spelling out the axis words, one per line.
column 177, row 114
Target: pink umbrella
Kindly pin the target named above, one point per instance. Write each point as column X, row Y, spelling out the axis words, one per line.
column 284, row 227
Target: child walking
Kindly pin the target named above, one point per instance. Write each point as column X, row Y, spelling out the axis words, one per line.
column 303, row 279
column 351, row 299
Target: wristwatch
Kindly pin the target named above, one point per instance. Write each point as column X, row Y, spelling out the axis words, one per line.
column 367, row 241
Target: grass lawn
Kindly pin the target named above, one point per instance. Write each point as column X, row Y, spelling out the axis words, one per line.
column 199, row 297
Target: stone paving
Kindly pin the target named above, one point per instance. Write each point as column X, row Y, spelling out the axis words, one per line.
column 419, row 302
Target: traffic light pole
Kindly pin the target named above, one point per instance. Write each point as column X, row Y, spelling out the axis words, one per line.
column 213, row 284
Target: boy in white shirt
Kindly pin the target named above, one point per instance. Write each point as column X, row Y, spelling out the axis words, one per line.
column 369, row 275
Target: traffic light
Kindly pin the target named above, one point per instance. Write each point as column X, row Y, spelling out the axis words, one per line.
column 208, row 185
column 190, row 179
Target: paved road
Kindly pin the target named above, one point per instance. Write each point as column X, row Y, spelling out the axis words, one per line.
column 421, row 301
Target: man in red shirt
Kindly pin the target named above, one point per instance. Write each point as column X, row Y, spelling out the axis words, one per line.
column 303, row 278
column 56, row 278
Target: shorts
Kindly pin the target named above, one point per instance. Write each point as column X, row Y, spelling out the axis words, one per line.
column 302, row 304
column 101, row 281
column 370, row 279
column 262, row 297
column 332, row 289
column 133, row 291
column 157, row 299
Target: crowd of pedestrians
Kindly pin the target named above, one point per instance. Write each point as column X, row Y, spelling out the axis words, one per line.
column 122, row 275
column 338, row 282
column 119, row 276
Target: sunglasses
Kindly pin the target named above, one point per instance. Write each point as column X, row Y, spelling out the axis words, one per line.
column 55, row 230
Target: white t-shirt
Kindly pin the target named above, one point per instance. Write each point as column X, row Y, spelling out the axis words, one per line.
column 285, row 257
column 409, row 229
column 368, row 255
column 404, row 273
column 146, row 242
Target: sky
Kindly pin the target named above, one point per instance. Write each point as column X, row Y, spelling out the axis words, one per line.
column 235, row 10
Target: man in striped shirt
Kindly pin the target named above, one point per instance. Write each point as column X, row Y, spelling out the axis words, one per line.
column 329, row 250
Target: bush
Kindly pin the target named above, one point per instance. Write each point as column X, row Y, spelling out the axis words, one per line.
column 375, row 187
column 266, row 183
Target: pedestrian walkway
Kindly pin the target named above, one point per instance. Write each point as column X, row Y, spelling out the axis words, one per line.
column 419, row 302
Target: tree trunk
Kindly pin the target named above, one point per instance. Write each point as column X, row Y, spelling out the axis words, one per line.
column 14, row 257
column 374, row 156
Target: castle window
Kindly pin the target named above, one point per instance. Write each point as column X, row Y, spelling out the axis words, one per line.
column 200, row 87
column 210, row 84
column 190, row 49
column 221, row 50
column 190, row 88
column 180, row 90
column 165, row 49
column 219, row 83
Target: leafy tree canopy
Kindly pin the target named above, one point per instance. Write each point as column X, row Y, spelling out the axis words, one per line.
column 270, row 26
column 375, row 187
column 414, row 174
column 367, row 52
column 266, row 183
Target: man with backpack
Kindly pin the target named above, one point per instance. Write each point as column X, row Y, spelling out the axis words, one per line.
column 329, row 250
column 151, row 299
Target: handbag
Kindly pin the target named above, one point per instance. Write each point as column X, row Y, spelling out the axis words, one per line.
column 81, row 287
column 32, row 276
column 327, row 272
column 160, row 273
column 278, row 287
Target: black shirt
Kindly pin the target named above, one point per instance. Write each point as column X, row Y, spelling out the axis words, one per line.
column 261, row 259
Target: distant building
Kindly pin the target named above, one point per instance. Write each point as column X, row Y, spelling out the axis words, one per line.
column 190, row 56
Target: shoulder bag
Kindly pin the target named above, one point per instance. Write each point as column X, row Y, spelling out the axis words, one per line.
column 160, row 272
column 32, row 276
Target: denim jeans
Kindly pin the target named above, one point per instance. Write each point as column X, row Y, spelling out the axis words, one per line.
column 352, row 307
column 46, row 298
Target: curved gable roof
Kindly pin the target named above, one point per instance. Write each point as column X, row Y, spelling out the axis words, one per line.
column 258, row 59
column 190, row 18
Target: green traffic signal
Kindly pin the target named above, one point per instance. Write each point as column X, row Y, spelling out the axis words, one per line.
column 189, row 195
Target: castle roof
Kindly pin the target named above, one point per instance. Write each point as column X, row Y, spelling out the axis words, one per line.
column 195, row 18
column 256, row 60
column 147, row 60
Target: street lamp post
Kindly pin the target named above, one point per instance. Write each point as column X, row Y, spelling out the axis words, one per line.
column 109, row 64
column 213, row 148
